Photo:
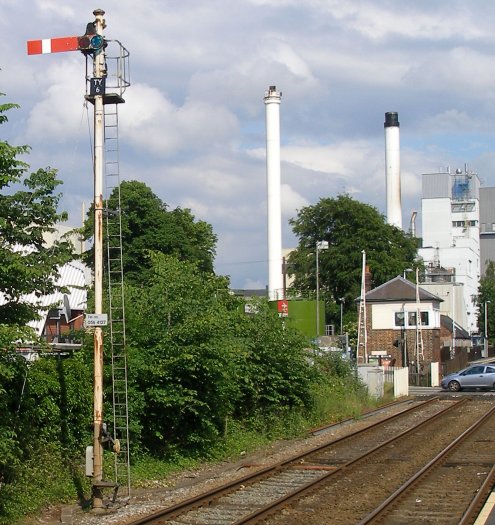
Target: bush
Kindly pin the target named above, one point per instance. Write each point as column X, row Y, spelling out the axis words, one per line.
column 48, row 404
column 47, row 476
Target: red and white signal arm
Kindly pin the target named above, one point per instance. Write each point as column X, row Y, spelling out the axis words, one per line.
column 283, row 308
column 86, row 44
column 53, row 45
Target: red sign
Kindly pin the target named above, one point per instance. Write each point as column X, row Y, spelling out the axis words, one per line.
column 283, row 308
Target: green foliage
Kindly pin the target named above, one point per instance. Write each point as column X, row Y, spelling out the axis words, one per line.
column 27, row 266
column 148, row 225
column 184, row 351
column 275, row 371
column 201, row 361
column 338, row 394
column 486, row 299
column 47, row 475
column 11, row 169
column 46, row 409
column 334, row 398
column 349, row 227
column 205, row 380
column 13, row 370
column 57, row 402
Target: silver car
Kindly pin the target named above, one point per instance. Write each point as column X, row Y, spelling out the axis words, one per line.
column 474, row 376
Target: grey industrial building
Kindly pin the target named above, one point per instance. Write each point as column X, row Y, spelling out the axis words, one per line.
column 487, row 227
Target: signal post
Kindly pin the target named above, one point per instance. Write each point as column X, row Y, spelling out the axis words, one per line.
column 99, row 74
column 92, row 43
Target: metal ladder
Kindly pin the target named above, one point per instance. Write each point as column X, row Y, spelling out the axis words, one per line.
column 362, row 342
column 420, row 356
column 116, row 303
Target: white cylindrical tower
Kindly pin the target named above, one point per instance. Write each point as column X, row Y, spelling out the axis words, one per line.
column 275, row 279
column 392, row 169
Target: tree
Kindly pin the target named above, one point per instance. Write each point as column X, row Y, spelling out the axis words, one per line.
column 148, row 225
column 486, row 299
column 28, row 210
column 198, row 360
column 183, row 353
column 349, row 227
column 27, row 265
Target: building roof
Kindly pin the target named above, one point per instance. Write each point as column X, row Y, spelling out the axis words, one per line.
column 447, row 323
column 399, row 290
column 76, row 277
column 262, row 292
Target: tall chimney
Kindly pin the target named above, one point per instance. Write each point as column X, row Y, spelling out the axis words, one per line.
column 392, row 169
column 272, row 105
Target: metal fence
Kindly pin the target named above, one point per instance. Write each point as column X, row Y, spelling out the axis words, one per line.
column 421, row 377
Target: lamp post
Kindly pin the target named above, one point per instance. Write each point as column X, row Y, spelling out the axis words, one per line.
column 341, row 299
column 406, row 271
column 320, row 245
column 452, row 351
column 486, row 330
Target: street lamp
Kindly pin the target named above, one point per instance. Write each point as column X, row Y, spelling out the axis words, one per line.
column 486, row 329
column 454, row 324
column 406, row 271
column 341, row 299
column 320, row 245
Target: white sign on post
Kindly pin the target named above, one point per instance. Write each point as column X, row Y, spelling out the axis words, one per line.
column 95, row 320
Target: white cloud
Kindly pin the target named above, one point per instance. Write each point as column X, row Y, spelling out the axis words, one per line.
column 465, row 73
column 154, row 124
column 452, row 120
column 379, row 20
column 343, row 158
column 284, row 54
column 193, row 126
column 56, row 117
column 55, row 8
column 291, row 201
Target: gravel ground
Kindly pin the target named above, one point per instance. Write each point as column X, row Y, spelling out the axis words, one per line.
column 190, row 483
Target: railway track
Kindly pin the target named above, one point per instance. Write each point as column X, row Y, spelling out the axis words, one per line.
column 435, row 494
column 318, row 482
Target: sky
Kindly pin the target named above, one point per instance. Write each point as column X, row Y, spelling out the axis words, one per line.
column 193, row 124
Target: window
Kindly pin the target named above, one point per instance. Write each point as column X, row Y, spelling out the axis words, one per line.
column 424, row 316
column 475, row 370
column 463, row 224
column 399, row 318
column 490, row 370
column 462, row 207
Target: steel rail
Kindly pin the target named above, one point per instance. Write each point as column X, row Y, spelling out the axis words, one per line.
column 386, row 506
column 479, row 500
column 207, row 497
column 368, row 413
column 279, row 504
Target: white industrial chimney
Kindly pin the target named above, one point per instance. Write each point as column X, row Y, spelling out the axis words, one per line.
column 275, row 280
column 392, row 169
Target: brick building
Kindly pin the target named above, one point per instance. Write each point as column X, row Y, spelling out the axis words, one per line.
column 60, row 313
column 392, row 332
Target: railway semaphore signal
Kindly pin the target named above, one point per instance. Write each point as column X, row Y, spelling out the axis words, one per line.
column 93, row 45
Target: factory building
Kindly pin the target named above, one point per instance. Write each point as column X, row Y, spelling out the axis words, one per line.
column 487, row 227
column 451, row 242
